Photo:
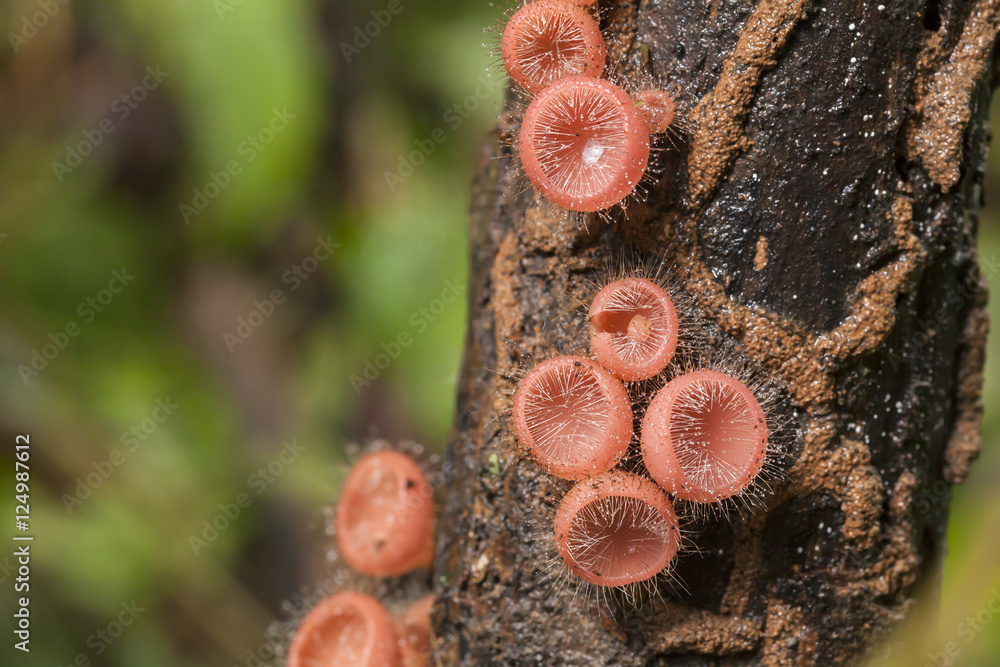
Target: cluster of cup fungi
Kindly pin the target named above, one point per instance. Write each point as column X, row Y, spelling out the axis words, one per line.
column 703, row 440
column 584, row 142
column 384, row 523
column 702, row 436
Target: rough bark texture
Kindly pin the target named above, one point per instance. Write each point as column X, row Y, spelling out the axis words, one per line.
column 821, row 209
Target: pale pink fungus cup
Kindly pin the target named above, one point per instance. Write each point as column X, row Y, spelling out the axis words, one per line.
column 547, row 40
column 583, row 144
column 633, row 328
column 704, row 437
column 346, row 630
column 573, row 416
column 616, row 529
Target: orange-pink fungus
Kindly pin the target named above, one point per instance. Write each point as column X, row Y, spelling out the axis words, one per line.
column 633, row 328
column 704, row 436
column 385, row 517
column 616, row 529
column 657, row 108
column 346, row 630
column 583, row 144
column 574, row 417
column 547, row 40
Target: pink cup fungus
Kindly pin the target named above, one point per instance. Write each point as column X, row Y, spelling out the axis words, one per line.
column 657, row 108
column 346, row 630
column 704, row 437
column 617, row 529
column 633, row 328
column 574, row 417
column 415, row 633
column 583, row 144
column 547, row 40
column 385, row 517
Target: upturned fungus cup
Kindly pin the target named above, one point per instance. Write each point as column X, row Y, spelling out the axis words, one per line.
column 704, row 437
column 583, row 144
column 633, row 328
column 346, row 630
column 574, row 417
column 547, row 40
column 616, row 529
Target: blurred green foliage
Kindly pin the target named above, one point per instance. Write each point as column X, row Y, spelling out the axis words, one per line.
column 358, row 114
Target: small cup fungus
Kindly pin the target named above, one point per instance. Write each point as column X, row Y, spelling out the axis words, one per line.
column 346, row 630
column 385, row 517
column 574, row 417
column 616, row 529
column 704, row 437
column 583, row 144
column 633, row 328
column 547, row 40
column 657, row 108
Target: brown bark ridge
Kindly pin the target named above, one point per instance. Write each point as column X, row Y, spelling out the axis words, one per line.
column 821, row 210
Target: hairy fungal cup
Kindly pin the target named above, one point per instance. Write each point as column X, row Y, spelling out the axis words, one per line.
column 616, row 530
column 657, row 108
column 385, row 516
column 415, row 633
column 547, row 40
column 574, row 417
column 704, row 437
column 346, row 630
column 583, row 144
column 633, row 328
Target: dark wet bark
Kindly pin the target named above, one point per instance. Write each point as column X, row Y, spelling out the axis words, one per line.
column 821, row 210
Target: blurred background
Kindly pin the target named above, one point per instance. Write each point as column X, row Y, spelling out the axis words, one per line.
column 231, row 238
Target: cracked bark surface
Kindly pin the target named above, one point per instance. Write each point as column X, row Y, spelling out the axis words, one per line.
column 821, row 210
